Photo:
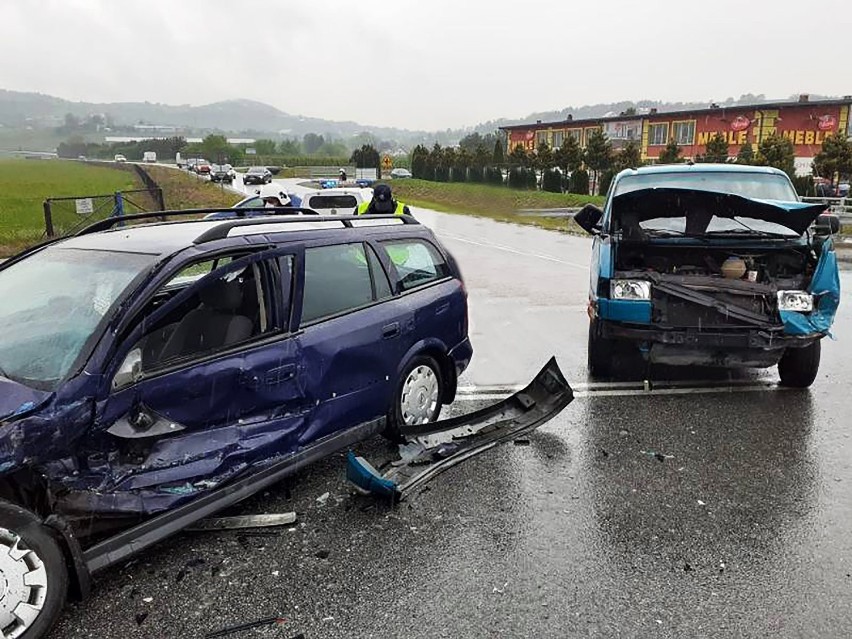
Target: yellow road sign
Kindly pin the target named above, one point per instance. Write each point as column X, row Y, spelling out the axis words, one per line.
column 387, row 162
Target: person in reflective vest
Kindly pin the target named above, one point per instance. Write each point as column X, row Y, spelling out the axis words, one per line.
column 383, row 203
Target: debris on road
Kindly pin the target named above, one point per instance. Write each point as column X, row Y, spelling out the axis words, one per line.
column 443, row 444
column 660, row 457
column 522, row 441
column 248, row 626
column 500, row 591
column 245, row 521
column 322, row 499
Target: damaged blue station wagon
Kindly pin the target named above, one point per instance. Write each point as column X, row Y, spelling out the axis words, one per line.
column 711, row 265
column 153, row 374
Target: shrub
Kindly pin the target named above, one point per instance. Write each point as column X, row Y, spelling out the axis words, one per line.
column 579, row 182
column 551, row 181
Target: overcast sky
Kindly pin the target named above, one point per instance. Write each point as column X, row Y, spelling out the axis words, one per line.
column 429, row 64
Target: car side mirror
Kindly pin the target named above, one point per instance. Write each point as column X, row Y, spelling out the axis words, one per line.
column 130, row 370
column 589, row 219
column 827, row 224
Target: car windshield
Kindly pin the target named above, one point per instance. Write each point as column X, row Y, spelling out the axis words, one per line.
column 765, row 186
column 53, row 304
column 257, row 170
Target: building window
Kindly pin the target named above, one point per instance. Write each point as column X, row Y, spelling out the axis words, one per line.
column 684, row 132
column 558, row 136
column 540, row 138
column 658, row 134
column 589, row 132
column 574, row 133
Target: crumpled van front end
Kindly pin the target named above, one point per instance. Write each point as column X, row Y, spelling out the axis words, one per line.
column 706, row 278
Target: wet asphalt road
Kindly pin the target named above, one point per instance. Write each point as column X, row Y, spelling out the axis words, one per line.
column 720, row 513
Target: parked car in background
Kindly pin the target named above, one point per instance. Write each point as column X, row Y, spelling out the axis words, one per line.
column 341, row 201
column 206, row 360
column 710, row 265
column 400, row 173
column 222, row 173
column 201, row 167
column 149, row 156
column 257, row 175
column 120, row 158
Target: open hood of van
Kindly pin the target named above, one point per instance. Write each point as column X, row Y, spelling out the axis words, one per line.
column 699, row 207
column 16, row 398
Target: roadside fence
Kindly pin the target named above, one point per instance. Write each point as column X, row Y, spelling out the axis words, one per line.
column 67, row 215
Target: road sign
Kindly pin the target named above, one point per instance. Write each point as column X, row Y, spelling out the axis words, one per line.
column 387, row 162
column 84, row 206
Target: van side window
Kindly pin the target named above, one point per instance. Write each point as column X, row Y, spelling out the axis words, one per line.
column 229, row 310
column 416, row 262
column 337, row 279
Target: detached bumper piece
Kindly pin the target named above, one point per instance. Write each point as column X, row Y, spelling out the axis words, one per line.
column 433, row 448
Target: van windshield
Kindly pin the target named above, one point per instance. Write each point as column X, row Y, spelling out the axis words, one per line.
column 54, row 303
column 764, row 186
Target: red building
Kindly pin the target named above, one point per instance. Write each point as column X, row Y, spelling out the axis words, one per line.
column 805, row 123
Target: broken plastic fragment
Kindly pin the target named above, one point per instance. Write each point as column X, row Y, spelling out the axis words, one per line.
column 246, row 521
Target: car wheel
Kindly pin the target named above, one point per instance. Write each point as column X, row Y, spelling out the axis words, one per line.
column 34, row 575
column 799, row 366
column 601, row 352
column 417, row 397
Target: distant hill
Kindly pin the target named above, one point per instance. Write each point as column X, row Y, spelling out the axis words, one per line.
column 21, row 111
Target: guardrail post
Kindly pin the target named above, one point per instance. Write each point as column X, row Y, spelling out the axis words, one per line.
column 118, row 211
column 48, row 219
column 161, row 202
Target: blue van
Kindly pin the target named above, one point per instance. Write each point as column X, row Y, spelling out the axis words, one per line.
column 152, row 374
column 710, row 265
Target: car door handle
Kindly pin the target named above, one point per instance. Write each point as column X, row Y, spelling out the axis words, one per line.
column 443, row 308
column 390, row 331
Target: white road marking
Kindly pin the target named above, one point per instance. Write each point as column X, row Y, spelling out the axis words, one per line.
column 509, row 249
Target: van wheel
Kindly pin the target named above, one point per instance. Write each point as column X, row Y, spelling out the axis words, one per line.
column 600, row 353
column 799, row 366
column 33, row 575
column 417, row 398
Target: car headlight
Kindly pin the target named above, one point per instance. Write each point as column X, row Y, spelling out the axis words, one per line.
column 630, row 290
column 800, row 301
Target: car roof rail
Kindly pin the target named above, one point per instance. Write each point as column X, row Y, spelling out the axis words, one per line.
column 222, row 230
column 111, row 222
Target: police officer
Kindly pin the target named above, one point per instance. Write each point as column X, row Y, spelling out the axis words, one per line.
column 383, row 203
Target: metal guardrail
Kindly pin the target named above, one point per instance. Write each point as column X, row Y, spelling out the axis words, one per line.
column 840, row 206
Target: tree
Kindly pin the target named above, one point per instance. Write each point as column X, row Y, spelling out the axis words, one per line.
column 670, row 154
column 543, row 157
column 779, row 152
column 419, row 162
column 216, row 149
column 438, row 158
column 716, row 150
column 630, row 157
column 367, row 157
column 498, row 156
column 569, row 156
column 311, row 142
column 746, row 154
column 290, row 147
column 598, row 154
column 461, row 161
column 579, row 182
column 834, row 159
column 264, row 147
column 519, row 157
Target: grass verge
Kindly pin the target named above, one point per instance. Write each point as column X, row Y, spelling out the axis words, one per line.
column 494, row 202
column 25, row 184
column 183, row 190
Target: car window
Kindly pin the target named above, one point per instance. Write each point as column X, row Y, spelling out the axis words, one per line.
column 52, row 305
column 222, row 312
column 416, row 262
column 337, row 279
column 332, row 202
column 255, row 202
column 381, row 283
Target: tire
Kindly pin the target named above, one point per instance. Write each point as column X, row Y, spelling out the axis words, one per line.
column 40, row 558
column 416, row 398
column 799, row 366
column 601, row 352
